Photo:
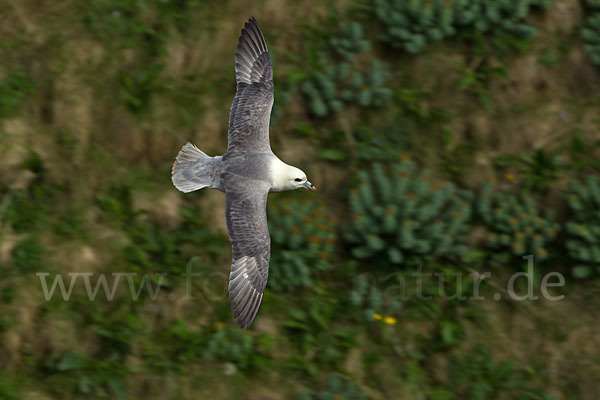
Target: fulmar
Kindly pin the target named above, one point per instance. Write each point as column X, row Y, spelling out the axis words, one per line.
column 247, row 172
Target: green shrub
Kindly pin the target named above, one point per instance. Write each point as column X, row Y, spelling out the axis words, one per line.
column 27, row 255
column 584, row 228
column 8, row 391
column 337, row 389
column 515, row 225
column 5, row 323
column 315, row 340
column 143, row 27
column 151, row 246
column 218, row 343
column 591, row 37
column 322, row 90
column 13, row 90
column 328, row 89
column 368, row 90
column 90, row 376
column 404, row 217
column 368, row 297
column 229, row 344
column 303, row 240
column 593, row 4
column 349, row 40
column 411, row 25
column 477, row 377
column 31, row 210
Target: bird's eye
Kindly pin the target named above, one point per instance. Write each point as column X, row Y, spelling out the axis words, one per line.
column 298, row 180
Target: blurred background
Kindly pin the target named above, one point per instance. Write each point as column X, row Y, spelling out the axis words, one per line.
column 450, row 137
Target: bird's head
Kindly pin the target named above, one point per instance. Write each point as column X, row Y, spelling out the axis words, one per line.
column 295, row 178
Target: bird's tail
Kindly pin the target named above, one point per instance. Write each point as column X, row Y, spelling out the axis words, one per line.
column 193, row 169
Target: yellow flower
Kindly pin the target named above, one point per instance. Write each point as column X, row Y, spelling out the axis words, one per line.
column 510, row 177
column 390, row 320
column 377, row 316
column 219, row 325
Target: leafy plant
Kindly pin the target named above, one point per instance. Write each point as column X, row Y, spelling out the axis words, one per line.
column 27, row 255
column 368, row 90
column 91, row 376
column 591, row 37
column 375, row 304
column 477, row 377
column 538, row 170
column 403, row 217
column 152, row 247
column 515, row 224
column 8, row 391
column 327, row 90
column 349, row 41
column 137, row 87
column 303, row 240
column 143, row 27
column 337, row 389
column 411, row 25
column 474, row 80
column 383, row 144
column 317, row 341
column 13, row 90
column 229, row 344
column 322, row 90
column 584, row 228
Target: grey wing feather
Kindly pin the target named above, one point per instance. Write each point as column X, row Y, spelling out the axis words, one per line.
column 246, row 217
column 251, row 108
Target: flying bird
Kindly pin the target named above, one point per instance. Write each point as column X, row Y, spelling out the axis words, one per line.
column 247, row 172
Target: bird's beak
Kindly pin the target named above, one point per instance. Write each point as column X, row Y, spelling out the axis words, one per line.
column 309, row 186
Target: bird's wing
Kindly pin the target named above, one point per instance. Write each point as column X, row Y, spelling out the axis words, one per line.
column 246, row 216
column 251, row 108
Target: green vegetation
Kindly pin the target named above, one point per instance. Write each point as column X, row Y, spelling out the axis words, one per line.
column 591, row 36
column 13, row 90
column 349, row 41
column 375, row 304
column 411, row 25
column 405, row 218
column 338, row 389
column 329, row 90
column 584, row 227
column 151, row 248
column 96, row 98
column 515, row 224
column 27, row 255
column 477, row 377
column 303, row 238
